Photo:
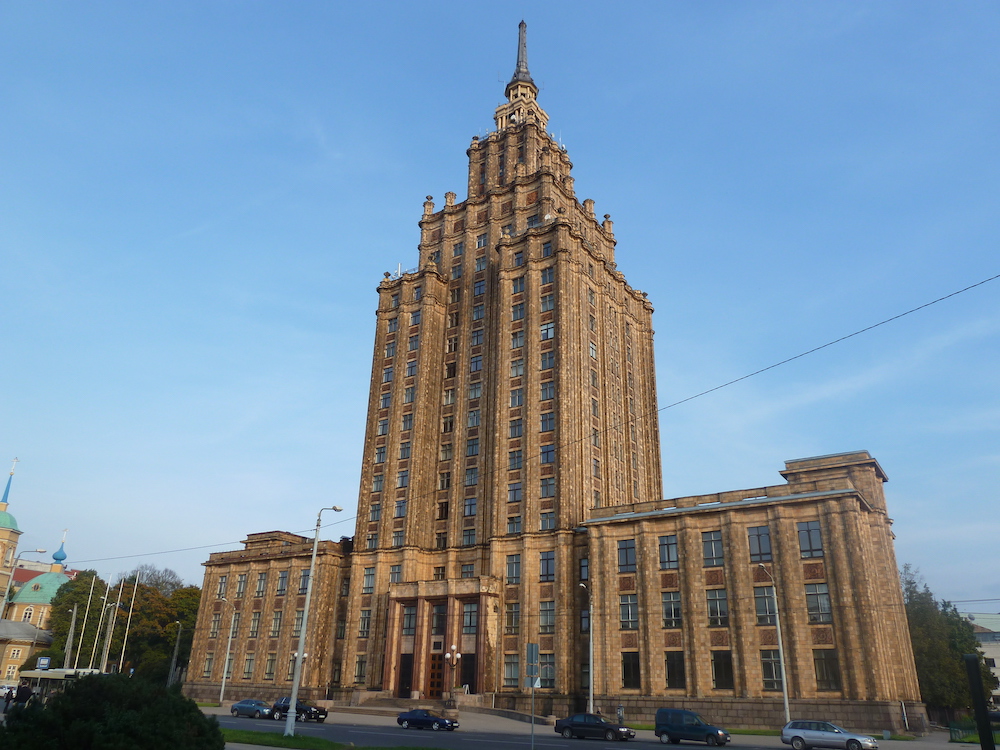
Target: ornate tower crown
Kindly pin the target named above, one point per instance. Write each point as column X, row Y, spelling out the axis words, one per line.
column 521, row 91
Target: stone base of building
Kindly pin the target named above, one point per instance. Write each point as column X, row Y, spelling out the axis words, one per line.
column 872, row 717
column 208, row 692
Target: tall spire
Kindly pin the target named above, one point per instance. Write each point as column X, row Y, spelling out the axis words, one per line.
column 6, row 491
column 521, row 74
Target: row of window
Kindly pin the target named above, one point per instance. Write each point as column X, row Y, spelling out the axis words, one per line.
column 249, row 663
column 817, row 597
column 261, row 585
column 478, row 288
column 825, row 664
column 713, row 551
column 254, row 630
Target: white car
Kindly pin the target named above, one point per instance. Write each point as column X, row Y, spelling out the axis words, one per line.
column 805, row 734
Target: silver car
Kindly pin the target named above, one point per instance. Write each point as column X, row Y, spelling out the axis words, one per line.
column 805, row 734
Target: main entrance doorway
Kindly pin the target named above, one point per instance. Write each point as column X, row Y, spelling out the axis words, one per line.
column 435, row 677
column 405, row 675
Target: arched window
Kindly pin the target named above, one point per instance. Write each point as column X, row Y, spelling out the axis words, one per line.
column 28, row 613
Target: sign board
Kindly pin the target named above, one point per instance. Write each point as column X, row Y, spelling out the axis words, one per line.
column 532, row 682
column 43, row 662
column 532, row 670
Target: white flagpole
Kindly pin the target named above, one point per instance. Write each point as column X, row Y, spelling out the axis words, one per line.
column 86, row 614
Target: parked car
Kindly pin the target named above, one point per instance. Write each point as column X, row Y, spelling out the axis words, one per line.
column 304, row 710
column 804, row 734
column 593, row 725
column 675, row 724
column 251, row 707
column 421, row 718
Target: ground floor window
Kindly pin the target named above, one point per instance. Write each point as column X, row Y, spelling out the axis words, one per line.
column 770, row 667
column 547, row 670
column 361, row 669
column 631, row 678
column 673, row 662
column 511, row 670
column 827, row 669
column 722, row 670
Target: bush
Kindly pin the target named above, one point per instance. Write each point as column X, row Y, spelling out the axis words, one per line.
column 112, row 712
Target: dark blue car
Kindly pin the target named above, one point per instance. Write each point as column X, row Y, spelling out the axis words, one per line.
column 421, row 718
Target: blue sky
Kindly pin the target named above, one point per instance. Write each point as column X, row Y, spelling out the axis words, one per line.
column 199, row 199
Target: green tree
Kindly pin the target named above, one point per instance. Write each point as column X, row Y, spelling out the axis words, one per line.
column 940, row 637
column 112, row 712
column 147, row 637
column 78, row 592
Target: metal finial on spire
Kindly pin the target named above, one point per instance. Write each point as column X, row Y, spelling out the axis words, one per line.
column 13, row 465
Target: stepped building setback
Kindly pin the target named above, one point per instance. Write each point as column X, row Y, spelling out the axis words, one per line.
column 511, row 494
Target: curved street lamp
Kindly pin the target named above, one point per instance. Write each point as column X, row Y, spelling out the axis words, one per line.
column 229, row 648
column 781, row 649
column 300, row 652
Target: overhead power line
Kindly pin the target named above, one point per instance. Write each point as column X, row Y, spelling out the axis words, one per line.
column 662, row 408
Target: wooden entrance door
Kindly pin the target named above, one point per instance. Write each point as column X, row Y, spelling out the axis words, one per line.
column 435, row 677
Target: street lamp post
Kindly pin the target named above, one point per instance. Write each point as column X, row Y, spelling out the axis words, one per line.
column 69, row 638
column 229, row 649
column 453, row 657
column 300, row 652
column 10, row 578
column 590, row 638
column 781, row 648
column 173, row 660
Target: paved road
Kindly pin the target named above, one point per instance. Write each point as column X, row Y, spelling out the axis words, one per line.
column 489, row 732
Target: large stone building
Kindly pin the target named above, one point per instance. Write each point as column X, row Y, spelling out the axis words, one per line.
column 511, row 495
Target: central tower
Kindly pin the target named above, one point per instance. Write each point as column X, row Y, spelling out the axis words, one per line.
column 512, row 392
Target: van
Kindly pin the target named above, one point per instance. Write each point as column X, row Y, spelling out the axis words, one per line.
column 676, row 724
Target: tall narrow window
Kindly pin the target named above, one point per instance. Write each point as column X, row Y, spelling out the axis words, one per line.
column 631, row 678
column 626, row 556
column 810, row 539
column 711, row 542
column 718, row 608
column 547, row 670
column 409, row 620
column 818, row 603
column 722, row 670
column 546, row 617
column 673, row 661
column 763, row 597
column 511, row 670
column 827, row 669
column 547, row 566
column 770, row 667
column 513, row 569
column 470, row 617
column 671, row 609
column 628, row 609
column 760, row 543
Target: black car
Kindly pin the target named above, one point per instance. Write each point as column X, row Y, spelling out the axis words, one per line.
column 421, row 718
column 304, row 710
column 592, row 725
column 251, row 707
